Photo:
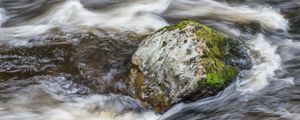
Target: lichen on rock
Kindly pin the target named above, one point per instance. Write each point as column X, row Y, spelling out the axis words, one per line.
column 180, row 61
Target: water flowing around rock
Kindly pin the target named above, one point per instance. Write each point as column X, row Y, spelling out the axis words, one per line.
column 71, row 59
column 183, row 62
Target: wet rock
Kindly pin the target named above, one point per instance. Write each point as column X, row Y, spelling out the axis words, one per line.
column 180, row 62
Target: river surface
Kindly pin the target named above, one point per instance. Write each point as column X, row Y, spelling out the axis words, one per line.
column 69, row 59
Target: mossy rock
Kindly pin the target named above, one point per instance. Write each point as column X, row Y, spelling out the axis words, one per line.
column 185, row 61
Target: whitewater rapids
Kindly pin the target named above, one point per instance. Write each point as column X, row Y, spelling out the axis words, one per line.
column 268, row 29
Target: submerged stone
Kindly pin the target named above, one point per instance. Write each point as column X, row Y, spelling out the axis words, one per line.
column 180, row 62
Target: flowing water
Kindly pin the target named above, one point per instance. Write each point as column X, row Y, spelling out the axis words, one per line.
column 69, row 59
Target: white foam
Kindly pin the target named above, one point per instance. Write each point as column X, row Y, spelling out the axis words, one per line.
column 265, row 64
column 264, row 15
column 134, row 16
column 3, row 16
column 55, row 98
column 86, row 109
column 73, row 113
column 141, row 17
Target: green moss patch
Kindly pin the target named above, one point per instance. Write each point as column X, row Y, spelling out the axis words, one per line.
column 218, row 74
column 180, row 26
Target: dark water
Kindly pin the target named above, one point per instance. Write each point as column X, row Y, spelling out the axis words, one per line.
column 69, row 59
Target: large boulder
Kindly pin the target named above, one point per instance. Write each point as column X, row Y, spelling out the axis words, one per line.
column 180, row 62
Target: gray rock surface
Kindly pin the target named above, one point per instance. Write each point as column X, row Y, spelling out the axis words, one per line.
column 177, row 62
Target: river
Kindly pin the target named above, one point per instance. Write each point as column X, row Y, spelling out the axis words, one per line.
column 69, row 59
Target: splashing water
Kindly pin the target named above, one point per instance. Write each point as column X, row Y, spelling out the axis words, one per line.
column 72, row 16
column 241, row 14
column 47, row 86
column 264, row 67
column 3, row 17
